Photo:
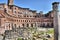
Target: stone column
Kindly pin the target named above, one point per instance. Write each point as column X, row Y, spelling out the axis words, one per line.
column 21, row 25
column 29, row 25
column 10, row 27
column 56, row 21
column 36, row 24
column 33, row 25
column 25, row 25
column 0, row 22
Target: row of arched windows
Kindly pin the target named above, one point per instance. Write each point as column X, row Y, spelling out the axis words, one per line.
column 23, row 25
column 28, row 16
column 48, row 25
column 23, row 21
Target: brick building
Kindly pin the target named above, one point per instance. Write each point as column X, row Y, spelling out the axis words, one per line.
column 14, row 16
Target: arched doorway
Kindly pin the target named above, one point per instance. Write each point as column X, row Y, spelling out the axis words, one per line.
column 23, row 25
column 27, row 25
column 31, row 25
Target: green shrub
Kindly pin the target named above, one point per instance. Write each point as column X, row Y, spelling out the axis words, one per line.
column 19, row 39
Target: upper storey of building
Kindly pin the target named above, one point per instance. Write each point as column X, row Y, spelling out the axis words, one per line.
column 17, row 11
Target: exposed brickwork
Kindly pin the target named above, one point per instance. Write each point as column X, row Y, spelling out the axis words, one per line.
column 12, row 15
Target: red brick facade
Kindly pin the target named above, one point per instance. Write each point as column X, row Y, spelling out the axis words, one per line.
column 15, row 16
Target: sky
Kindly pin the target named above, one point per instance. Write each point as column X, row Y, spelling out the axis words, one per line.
column 39, row 5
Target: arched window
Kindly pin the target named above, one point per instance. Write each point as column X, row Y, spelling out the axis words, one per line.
column 23, row 25
column 29, row 20
column 23, row 20
column 17, row 20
